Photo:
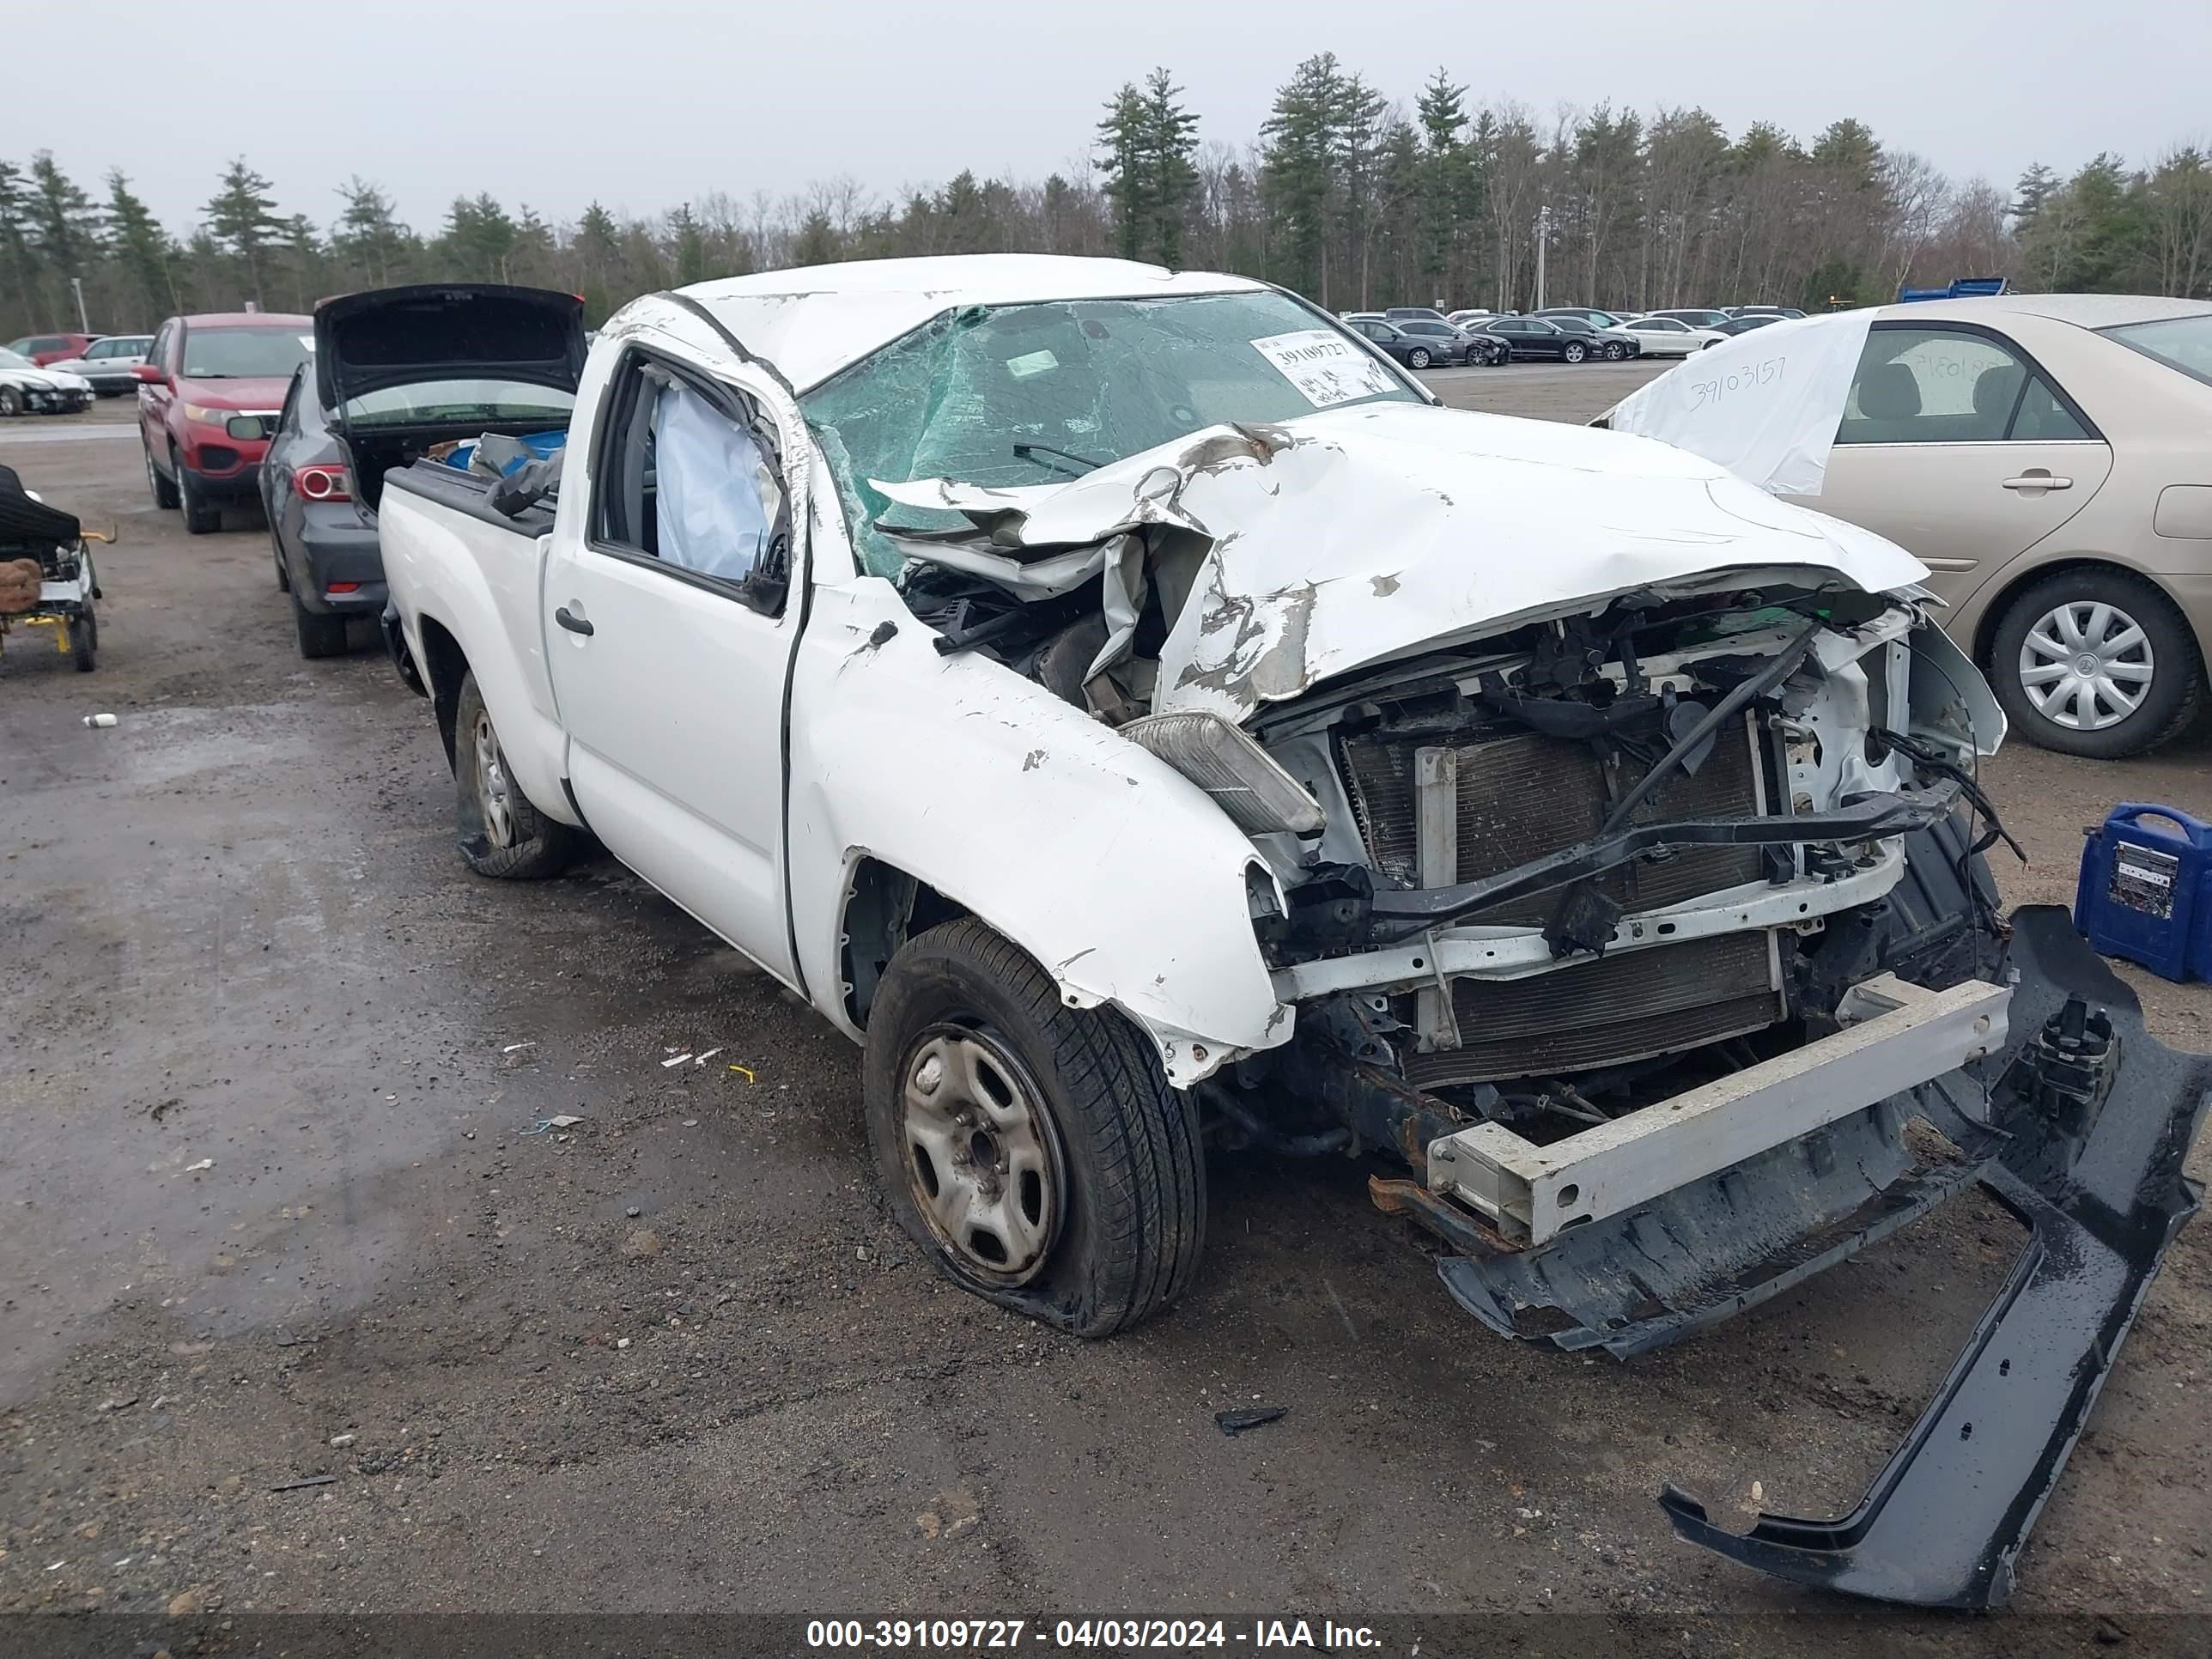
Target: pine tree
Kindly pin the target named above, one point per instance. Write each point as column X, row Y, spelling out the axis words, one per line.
column 62, row 220
column 1128, row 179
column 1170, row 141
column 1448, row 194
column 1299, row 171
column 242, row 220
column 817, row 242
column 690, row 246
column 368, row 234
column 141, row 250
column 479, row 239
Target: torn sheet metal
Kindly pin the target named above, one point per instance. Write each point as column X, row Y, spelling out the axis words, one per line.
column 1764, row 405
column 1349, row 536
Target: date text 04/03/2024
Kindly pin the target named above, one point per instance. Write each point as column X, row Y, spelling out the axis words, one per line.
column 955, row 1634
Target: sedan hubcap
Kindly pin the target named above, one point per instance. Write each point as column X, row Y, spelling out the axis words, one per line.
column 2087, row 665
column 982, row 1161
column 493, row 786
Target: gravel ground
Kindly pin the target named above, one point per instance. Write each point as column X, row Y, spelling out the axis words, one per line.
column 271, row 1212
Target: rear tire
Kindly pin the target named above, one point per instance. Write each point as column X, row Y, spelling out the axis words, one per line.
column 501, row 835
column 277, row 552
column 2164, row 669
column 84, row 640
column 321, row 636
column 201, row 516
column 1029, row 1090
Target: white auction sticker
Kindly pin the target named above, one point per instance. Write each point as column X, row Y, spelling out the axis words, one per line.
column 1326, row 368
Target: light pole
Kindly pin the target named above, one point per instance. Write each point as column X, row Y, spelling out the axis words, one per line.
column 1543, row 238
column 76, row 285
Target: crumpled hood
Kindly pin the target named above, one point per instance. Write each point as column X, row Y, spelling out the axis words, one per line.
column 1347, row 537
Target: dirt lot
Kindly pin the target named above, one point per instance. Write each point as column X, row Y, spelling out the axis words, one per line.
column 676, row 1358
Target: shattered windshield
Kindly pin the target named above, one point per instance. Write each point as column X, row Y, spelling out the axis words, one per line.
column 1042, row 393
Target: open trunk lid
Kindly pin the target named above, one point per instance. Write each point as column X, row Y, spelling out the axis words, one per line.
column 396, row 337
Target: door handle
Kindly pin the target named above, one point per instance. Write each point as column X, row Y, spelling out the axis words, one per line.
column 573, row 622
column 2036, row 479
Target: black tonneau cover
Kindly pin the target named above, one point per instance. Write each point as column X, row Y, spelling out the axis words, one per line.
column 446, row 331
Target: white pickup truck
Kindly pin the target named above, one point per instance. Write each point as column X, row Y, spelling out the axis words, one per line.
column 1126, row 704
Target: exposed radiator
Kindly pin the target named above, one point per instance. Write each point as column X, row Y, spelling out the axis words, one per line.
column 1621, row 1007
column 1522, row 795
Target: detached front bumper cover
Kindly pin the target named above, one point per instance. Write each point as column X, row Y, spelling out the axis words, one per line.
column 2098, row 1118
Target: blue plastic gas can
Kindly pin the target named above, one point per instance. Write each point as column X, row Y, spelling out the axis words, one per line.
column 2145, row 891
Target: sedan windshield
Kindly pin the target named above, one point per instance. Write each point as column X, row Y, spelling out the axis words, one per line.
column 14, row 359
column 2182, row 342
column 245, row 354
column 1038, row 394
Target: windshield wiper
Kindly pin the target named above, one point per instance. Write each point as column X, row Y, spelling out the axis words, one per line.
column 1037, row 453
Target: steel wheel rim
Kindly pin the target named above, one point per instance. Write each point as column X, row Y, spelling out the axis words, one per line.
column 2086, row 664
column 493, row 789
column 982, row 1157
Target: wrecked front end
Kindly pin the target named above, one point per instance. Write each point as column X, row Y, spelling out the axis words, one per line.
column 1626, row 889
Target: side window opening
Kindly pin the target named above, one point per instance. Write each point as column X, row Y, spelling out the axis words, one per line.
column 694, row 479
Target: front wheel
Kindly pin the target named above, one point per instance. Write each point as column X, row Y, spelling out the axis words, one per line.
column 165, row 489
column 1575, row 351
column 1418, row 357
column 201, row 516
column 501, row 832
column 2096, row 662
column 1034, row 1151
column 1616, row 352
column 11, row 401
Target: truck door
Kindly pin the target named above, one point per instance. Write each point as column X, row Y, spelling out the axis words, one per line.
column 669, row 639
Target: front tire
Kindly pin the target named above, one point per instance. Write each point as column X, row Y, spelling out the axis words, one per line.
column 11, row 402
column 1034, row 1151
column 1418, row 357
column 2096, row 662
column 501, row 835
column 165, row 489
column 1616, row 353
column 201, row 516
column 1574, row 351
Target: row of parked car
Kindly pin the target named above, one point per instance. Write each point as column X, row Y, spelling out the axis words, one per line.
column 58, row 374
column 1421, row 337
column 1940, row 448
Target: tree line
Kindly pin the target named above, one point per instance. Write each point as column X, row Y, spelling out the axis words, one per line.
column 1343, row 194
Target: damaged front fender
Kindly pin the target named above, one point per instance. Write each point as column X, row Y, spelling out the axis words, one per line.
column 1120, row 878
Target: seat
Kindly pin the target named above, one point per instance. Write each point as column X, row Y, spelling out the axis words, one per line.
column 1996, row 389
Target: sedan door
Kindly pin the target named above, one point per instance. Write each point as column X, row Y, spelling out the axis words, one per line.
column 1958, row 446
column 669, row 640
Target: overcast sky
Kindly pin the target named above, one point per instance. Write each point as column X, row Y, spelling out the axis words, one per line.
column 644, row 105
